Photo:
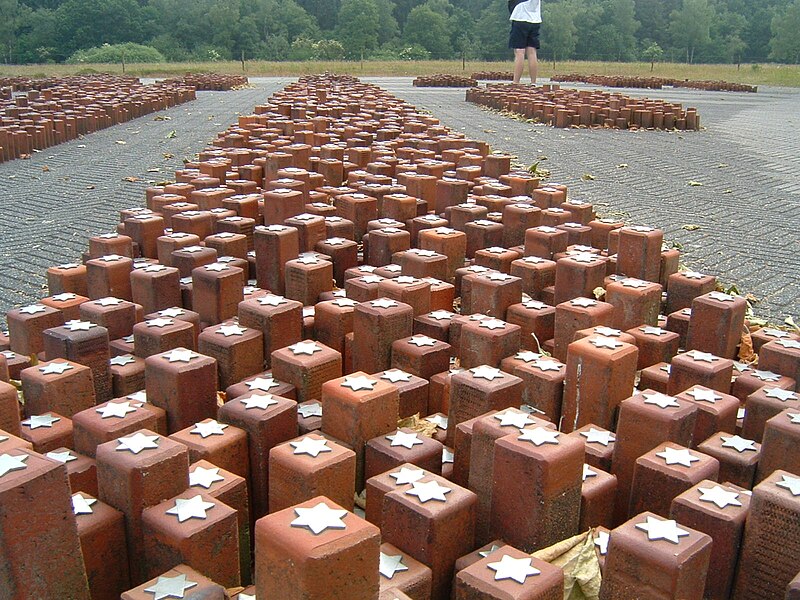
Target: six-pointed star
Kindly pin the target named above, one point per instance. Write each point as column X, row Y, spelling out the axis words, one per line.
column 422, row 340
column 159, row 322
column 229, row 330
column 115, row 409
column 439, row 420
column 513, row 418
column 486, row 372
column 311, row 446
column 539, row 435
column 704, row 395
column 77, row 325
column 405, row 475
column 345, row 302
column 662, row 529
column 305, row 348
column 319, row 518
column 10, row 463
column 359, row 383
column 32, row 309
column 598, row 436
column 55, row 368
column 601, row 541
column 406, row 440
column 121, row 360
column 440, row 315
column 527, row 356
column 383, row 303
column 547, row 365
column 137, row 442
column 795, row 418
column 719, row 496
column 674, row 456
column 190, row 508
column 395, row 375
column 37, row 421
column 180, row 355
column 650, row 330
column 272, row 300
column 587, row 472
column 583, row 302
column 262, row 401
column 605, row 342
column 82, row 505
column 790, row 483
column 766, row 375
column 170, row 587
column 207, row 428
column 492, row 324
column 791, row 344
column 607, row 331
column 109, row 301
column 701, row 356
column 62, row 457
column 780, row 394
column 204, row 477
column 391, row 564
column 661, row 400
column 429, row 490
column 263, row 384
column 63, row 297
column 518, row 569
column 216, row 267
column 310, row 410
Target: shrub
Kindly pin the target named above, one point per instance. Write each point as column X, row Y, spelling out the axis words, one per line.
column 108, row 53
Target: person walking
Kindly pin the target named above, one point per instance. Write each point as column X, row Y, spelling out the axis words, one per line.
column 526, row 19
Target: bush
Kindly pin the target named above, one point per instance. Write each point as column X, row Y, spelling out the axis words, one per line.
column 107, row 53
column 396, row 50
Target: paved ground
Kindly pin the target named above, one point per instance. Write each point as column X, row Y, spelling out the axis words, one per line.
column 748, row 235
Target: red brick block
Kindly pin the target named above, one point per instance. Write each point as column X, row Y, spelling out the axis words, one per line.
column 47, row 432
column 239, row 351
column 738, row 457
column 217, row 291
column 376, row 325
column 490, row 293
column 109, row 421
column 420, row 355
column 716, row 324
column 27, row 324
column 577, row 314
column 578, row 275
column 684, row 287
column 781, row 356
column 162, row 334
column 384, row 453
column 127, row 374
column 62, row 386
column 156, row 287
column 191, row 584
column 779, row 447
column 715, row 412
column 109, row 276
column 85, row 343
column 274, row 246
column 487, row 342
column 536, row 273
column 401, row 574
column 656, row 345
column 598, row 496
column 639, row 253
column 699, row 368
column 635, row 302
column 218, row 443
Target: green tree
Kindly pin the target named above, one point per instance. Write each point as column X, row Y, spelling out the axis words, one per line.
column 622, row 14
column 560, row 33
column 785, row 42
column 87, row 23
column 324, row 11
column 428, row 28
column 491, row 32
column 388, row 28
column 10, row 14
column 359, row 24
column 690, row 26
column 652, row 54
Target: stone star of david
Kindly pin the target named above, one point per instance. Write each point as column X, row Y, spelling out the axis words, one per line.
column 272, row 300
column 483, row 223
column 776, row 333
column 583, row 302
column 477, row 269
column 171, row 312
column 208, row 428
column 390, row 230
column 790, row 344
column 159, row 322
column 115, row 409
column 546, row 229
column 662, row 529
column 673, row 456
column 216, row 267
column 547, row 365
column 477, row 317
column 692, row 275
column 605, row 342
column 444, row 231
column 661, row 400
column 790, row 483
column 82, row 505
column 650, row 330
column 139, row 396
column 429, row 490
column 601, row 541
column 438, row 420
column 204, row 478
column 583, row 257
column 767, row 376
column 721, row 297
column 10, row 463
column 687, row 312
column 37, row 421
column 495, row 276
column 539, row 436
column 598, row 436
column 345, row 302
column 405, row 475
column 395, row 375
column 392, row 268
column 780, row 394
column 68, row 266
column 262, row 384
column 110, row 258
column 485, row 553
column 424, row 253
column 719, row 496
column 517, row 569
column 308, row 348
column 137, row 442
column 534, row 305
column 63, row 297
column 641, row 228
column 404, row 440
column 391, row 564
column 62, row 457
column 698, row 356
column 666, row 368
column 9, row 354
column 109, row 301
column 794, row 418
column 192, row 249
column 527, row 356
column 262, row 401
column 535, row 260
column 587, row 472
column 308, row 260
column 122, row 360
column 371, row 279
column 634, row 283
column 310, row 410
column 486, row 372
column 180, row 355
column 441, row 315
column 311, row 446
column 422, row 340
column 359, row 383
column 170, row 587
column 77, row 325
column 704, row 395
column 55, row 368
column 191, row 508
column 383, row 303
column 492, row 324
column 319, row 518
column 155, row 268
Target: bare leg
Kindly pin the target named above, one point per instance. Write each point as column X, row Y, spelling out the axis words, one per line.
column 519, row 63
column 533, row 64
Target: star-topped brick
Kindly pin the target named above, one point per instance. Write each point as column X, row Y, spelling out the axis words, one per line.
column 170, row 587
column 539, row 436
column 137, row 442
column 311, row 446
column 190, row 508
column 359, row 383
column 516, row 569
column 719, row 496
column 429, row 490
column 674, row 456
column 319, row 518
column 404, row 439
column 662, row 529
column 209, row 428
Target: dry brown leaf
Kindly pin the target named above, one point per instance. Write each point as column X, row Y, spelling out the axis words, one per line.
column 45, row 169
column 420, row 426
column 746, row 352
column 131, row 179
column 599, row 293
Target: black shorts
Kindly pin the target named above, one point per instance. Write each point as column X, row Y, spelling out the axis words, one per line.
column 524, row 35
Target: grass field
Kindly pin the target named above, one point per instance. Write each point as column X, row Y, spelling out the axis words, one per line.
column 755, row 74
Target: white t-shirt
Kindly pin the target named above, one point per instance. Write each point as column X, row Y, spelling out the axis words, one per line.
column 530, row 11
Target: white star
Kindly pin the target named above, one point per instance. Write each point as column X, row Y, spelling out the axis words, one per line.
column 534, row 305
column 518, row 569
column 383, row 303
column 62, row 457
column 607, row 331
column 10, row 463
column 310, row 410
column 439, row 420
column 140, row 396
column 430, row 490
column 191, row 508
column 68, row 266
column 159, row 322
column 137, row 442
column 634, row 283
column 447, row 455
column 719, row 496
column 108, row 301
column 208, row 428
column 790, row 344
column 319, row 518
column 121, row 360
column 739, row 444
column 650, row 330
column 201, row 477
column 601, row 541
column 155, row 268
column 605, row 342
column 262, row 384
column 587, row 472
column 32, row 309
column 701, row 356
column 780, row 394
column 598, row 436
column 720, row 297
column 395, row 375
column 486, row 372
column 371, row 279
column 82, row 505
column 170, row 587
column 776, row 333
column 311, row 446
column 115, row 409
column 230, row 330
column 345, row 302
column 492, row 324
column 262, row 401
column 110, row 258
column 662, row 529
column 768, row 376
column 422, row 340
column 216, row 267
column 704, row 395
column 305, row 348
column 359, row 383
column 495, row 276
column 513, row 418
column 55, row 368
column 539, row 436
column 661, row 400
column 405, row 475
column 76, row 325
column 533, row 260
column 794, row 418
column 441, row 315
column 527, row 356
column 180, row 355
column 790, row 483
column 477, row 269
column 37, row 421
column 63, row 297
column 405, row 280
column 547, row 365
column 444, row 231
column 673, row 456
column 391, row 564
column 583, row 257
column 583, row 302
column 406, row 440
column 272, row 300
column 487, row 552
column 692, row 275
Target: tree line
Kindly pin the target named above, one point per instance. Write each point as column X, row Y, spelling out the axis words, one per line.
column 710, row 31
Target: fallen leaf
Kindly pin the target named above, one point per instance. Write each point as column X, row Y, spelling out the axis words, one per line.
column 131, row 179
column 587, row 177
column 45, row 169
column 489, row 131
column 622, row 166
column 167, row 155
column 162, row 118
column 691, row 227
column 695, row 183
column 172, row 134
column 599, row 293
column 727, row 192
column 746, row 353
column 121, row 143
column 89, row 187
column 154, row 170
column 790, row 322
column 722, row 165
